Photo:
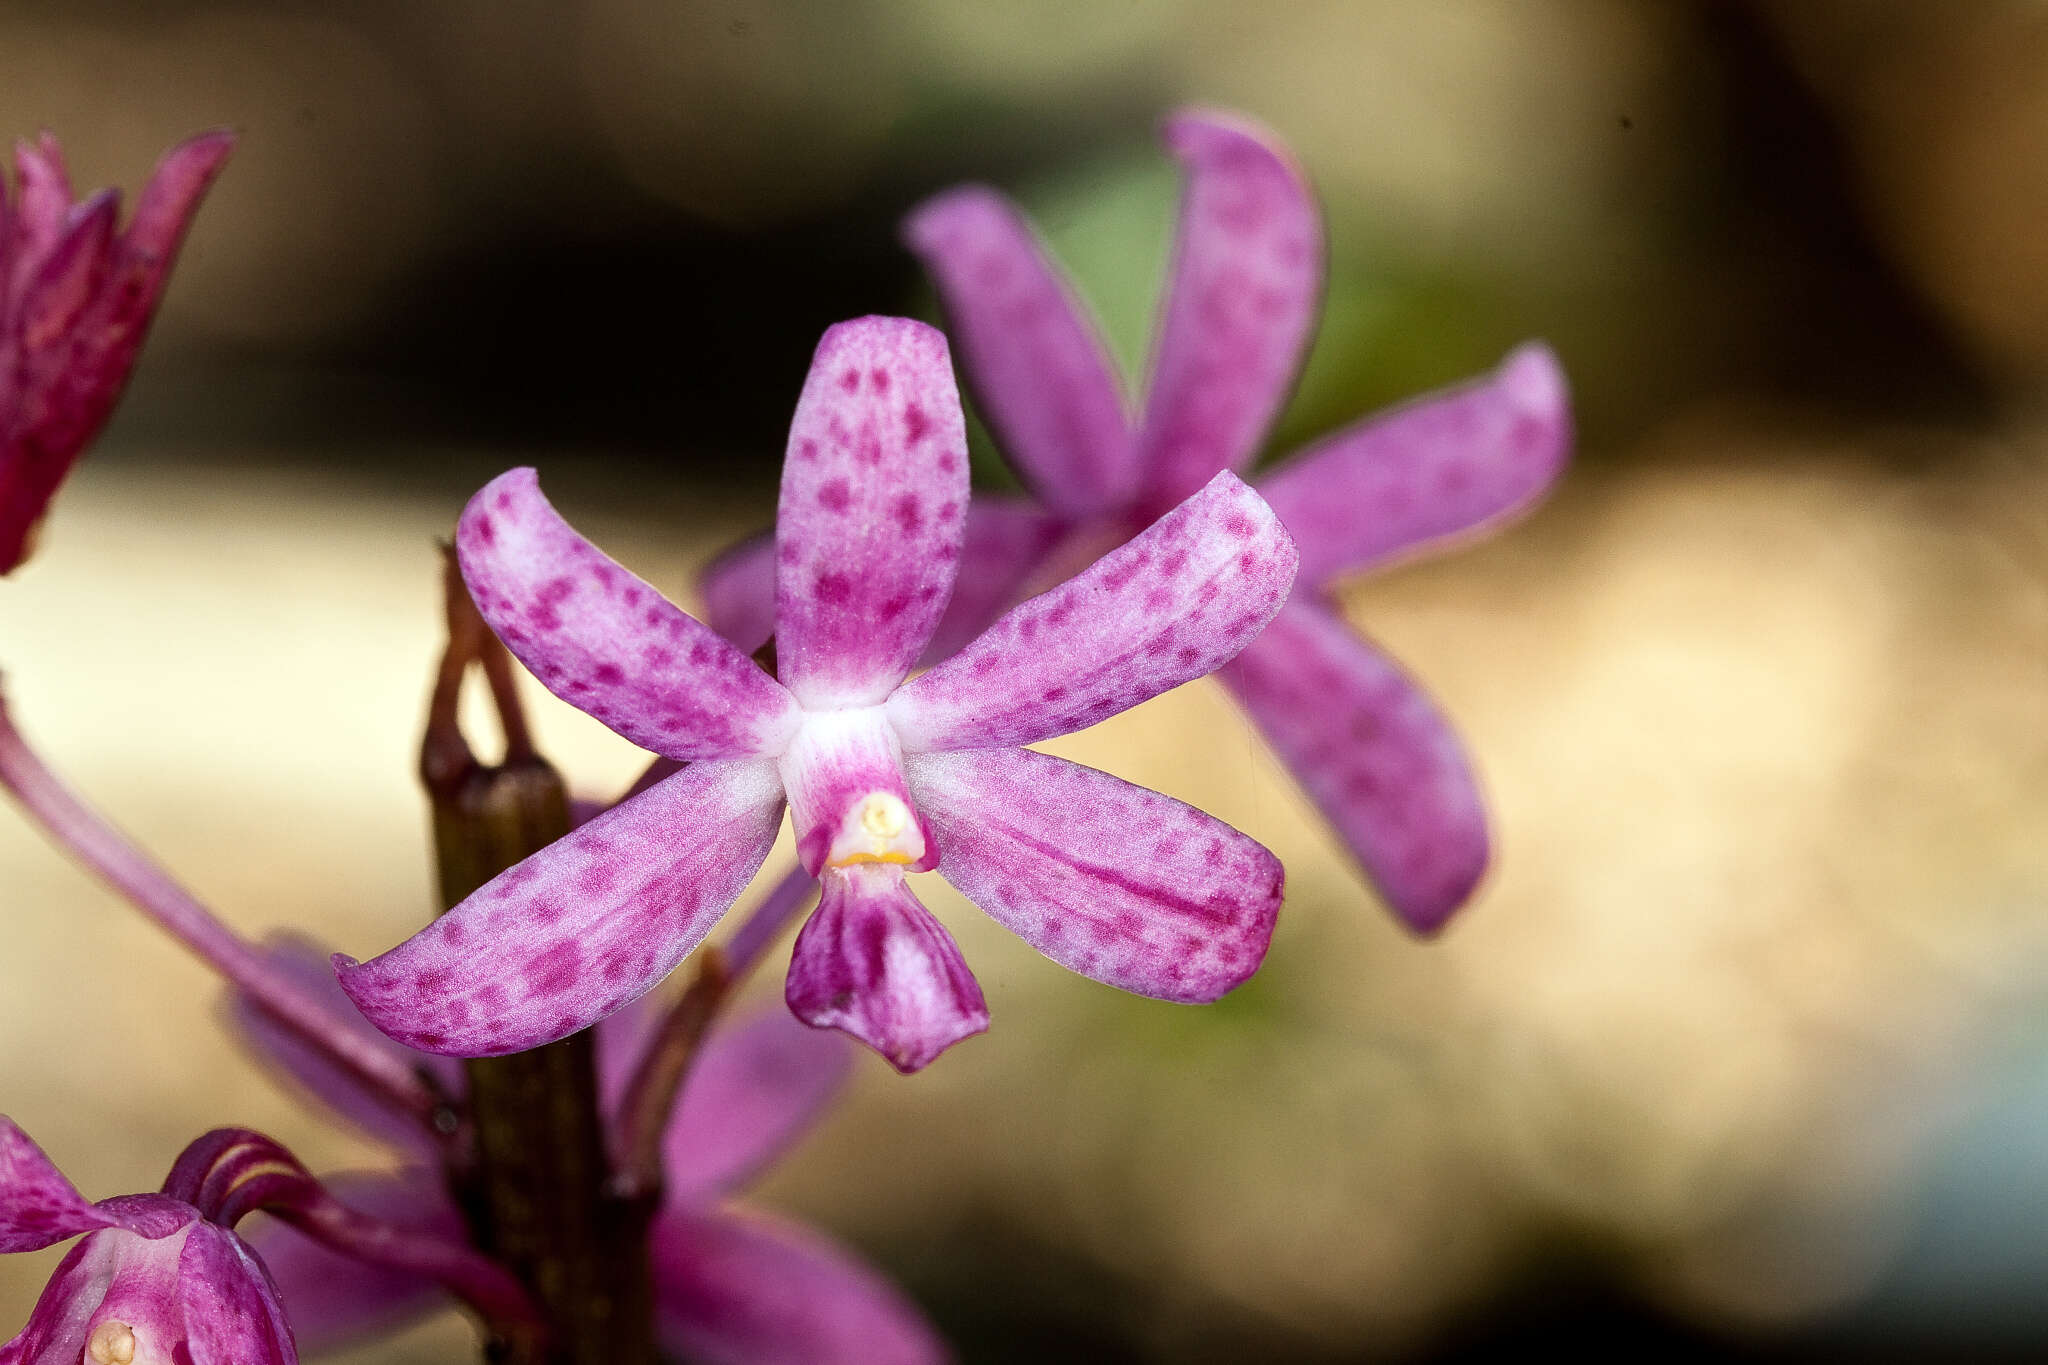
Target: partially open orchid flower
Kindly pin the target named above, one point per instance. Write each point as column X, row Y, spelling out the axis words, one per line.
column 76, row 297
column 730, row 1285
column 153, row 1282
column 1366, row 742
column 163, row 1279
column 882, row 777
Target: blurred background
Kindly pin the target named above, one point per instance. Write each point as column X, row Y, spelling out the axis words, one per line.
column 1743, row 1050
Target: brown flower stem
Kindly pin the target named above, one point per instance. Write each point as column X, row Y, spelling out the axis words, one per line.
column 540, row 1197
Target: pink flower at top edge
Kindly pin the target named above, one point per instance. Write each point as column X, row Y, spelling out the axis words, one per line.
column 76, row 298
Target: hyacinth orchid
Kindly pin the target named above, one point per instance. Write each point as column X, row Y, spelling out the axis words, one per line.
column 163, row 1279
column 882, row 776
column 1367, row 744
column 730, row 1285
column 76, row 297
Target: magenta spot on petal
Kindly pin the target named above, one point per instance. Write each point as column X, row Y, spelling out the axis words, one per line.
column 608, row 675
column 504, row 500
column 807, row 449
column 948, row 462
column 1238, row 524
column 835, row 495
column 596, row 879
column 878, row 380
column 850, row 380
column 916, row 424
column 486, row 530
column 556, row 969
column 909, row 513
column 833, row 589
column 556, row 590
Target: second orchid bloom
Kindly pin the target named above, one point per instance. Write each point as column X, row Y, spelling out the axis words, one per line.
column 882, row 777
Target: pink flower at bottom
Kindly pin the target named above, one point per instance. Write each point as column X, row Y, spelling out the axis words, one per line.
column 732, row 1286
column 152, row 1282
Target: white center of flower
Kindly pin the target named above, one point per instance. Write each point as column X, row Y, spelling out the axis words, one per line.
column 112, row 1343
column 883, row 821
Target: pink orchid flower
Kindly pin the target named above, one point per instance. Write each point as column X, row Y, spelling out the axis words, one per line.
column 76, row 297
column 732, row 1286
column 882, row 776
column 153, row 1281
column 1369, row 746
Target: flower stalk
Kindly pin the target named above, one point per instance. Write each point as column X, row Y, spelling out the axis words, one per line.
column 540, row 1196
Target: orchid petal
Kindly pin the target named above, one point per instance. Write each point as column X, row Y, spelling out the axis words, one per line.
column 333, row 1299
column 579, row 929
column 55, row 1333
column 874, row 499
column 1444, row 466
column 285, row 1052
column 140, row 268
column 1119, row 883
column 756, row 1088
column 1006, row 540
column 748, row 1290
column 607, row 643
column 38, row 1206
column 67, row 279
column 1374, row 753
column 231, row 1309
column 165, row 208
column 738, row 588
column 1247, row 272
column 1172, row 604
column 45, row 192
column 1039, row 370
column 872, row 962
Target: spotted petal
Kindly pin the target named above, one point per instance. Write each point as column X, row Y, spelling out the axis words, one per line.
column 1247, row 273
column 232, row 1314
column 873, row 962
column 1111, row 880
column 607, row 643
column 733, row 1289
column 1447, row 466
column 874, row 499
column 581, row 928
column 38, row 1206
column 1375, row 754
column 1171, row 605
column 1036, row 362
column 1007, row 539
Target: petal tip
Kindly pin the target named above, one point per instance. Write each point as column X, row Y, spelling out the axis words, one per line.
column 1202, row 132
column 926, row 226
